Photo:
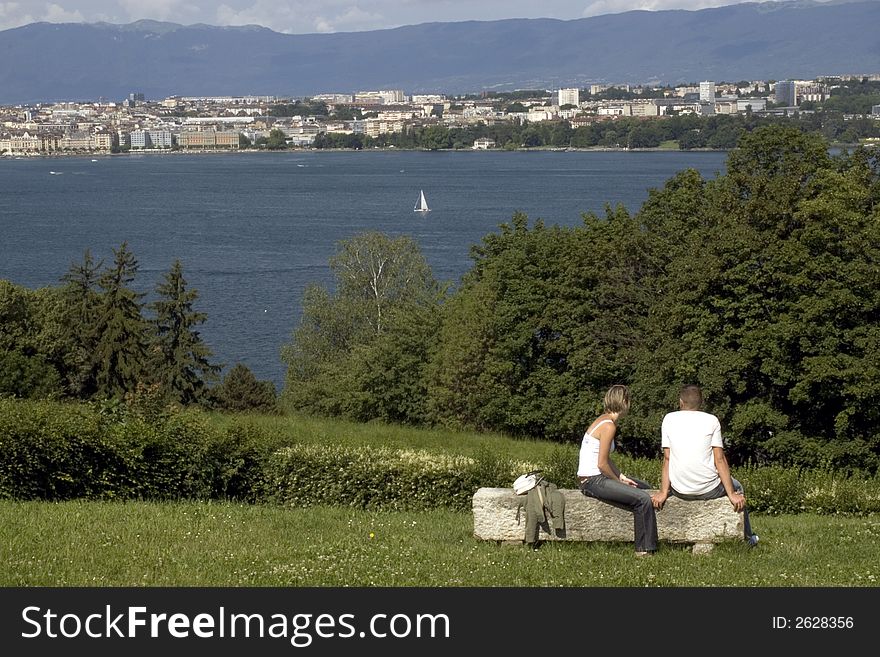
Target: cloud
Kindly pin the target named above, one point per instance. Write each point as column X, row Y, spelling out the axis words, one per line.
column 600, row 7
column 351, row 19
column 15, row 14
column 301, row 16
column 177, row 11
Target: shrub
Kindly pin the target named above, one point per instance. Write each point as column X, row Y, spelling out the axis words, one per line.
column 379, row 478
column 241, row 391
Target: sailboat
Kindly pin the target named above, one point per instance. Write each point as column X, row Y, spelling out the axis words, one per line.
column 422, row 204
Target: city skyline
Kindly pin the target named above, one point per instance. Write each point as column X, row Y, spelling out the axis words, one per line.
column 323, row 16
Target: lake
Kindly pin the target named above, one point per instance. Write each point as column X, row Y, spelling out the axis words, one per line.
column 252, row 230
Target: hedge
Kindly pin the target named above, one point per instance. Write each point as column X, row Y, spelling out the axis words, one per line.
column 54, row 451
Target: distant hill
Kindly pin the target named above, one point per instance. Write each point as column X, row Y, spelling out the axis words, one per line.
column 45, row 61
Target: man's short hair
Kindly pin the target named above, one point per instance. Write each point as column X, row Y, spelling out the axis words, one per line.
column 691, row 396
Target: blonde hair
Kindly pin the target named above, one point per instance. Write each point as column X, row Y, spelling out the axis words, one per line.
column 617, row 400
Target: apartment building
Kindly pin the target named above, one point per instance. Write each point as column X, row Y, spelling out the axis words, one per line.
column 571, row 96
column 383, row 97
column 785, row 92
column 208, row 139
column 707, row 92
column 376, row 127
column 77, row 141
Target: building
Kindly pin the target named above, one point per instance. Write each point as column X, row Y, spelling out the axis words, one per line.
column 77, row 141
column 139, row 139
column 755, row 104
column 707, row 92
column 817, row 93
column 376, row 127
column 334, row 99
column 483, row 143
column 569, row 97
column 785, row 92
column 428, row 99
column 383, row 97
column 875, row 110
column 161, row 138
column 208, row 139
column 103, row 141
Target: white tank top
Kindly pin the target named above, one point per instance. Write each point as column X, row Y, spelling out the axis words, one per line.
column 588, row 463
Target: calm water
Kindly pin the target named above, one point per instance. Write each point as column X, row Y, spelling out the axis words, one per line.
column 253, row 230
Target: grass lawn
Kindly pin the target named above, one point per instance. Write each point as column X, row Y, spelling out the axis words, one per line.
column 223, row 544
column 669, row 144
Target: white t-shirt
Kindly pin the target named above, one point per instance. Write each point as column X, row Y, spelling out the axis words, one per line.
column 690, row 437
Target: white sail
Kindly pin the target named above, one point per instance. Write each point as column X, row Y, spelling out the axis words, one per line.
column 422, row 205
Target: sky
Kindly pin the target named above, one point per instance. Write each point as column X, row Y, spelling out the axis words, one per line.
column 313, row 16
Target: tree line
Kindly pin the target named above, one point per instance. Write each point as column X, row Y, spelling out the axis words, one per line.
column 689, row 131
column 89, row 338
column 762, row 285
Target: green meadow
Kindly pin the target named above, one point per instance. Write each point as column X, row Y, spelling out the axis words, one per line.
column 81, row 543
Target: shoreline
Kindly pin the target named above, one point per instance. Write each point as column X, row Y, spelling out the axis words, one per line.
column 251, row 151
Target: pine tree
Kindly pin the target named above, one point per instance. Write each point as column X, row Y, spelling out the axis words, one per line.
column 181, row 358
column 120, row 331
column 82, row 300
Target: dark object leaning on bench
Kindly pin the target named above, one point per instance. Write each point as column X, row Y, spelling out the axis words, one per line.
column 544, row 509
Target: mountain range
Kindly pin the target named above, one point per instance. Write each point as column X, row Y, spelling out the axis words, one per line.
column 751, row 41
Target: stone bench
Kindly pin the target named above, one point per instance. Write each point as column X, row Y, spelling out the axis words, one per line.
column 699, row 523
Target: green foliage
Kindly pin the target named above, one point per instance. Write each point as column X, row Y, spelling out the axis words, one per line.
column 132, row 450
column 776, row 490
column 299, row 108
column 34, row 352
column 774, row 319
column 180, row 358
column 119, row 330
column 82, row 299
column 117, row 450
column 339, row 140
column 379, row 478
column 359, row 352
column 241, row 391
column 27, row 376
column 89, row 339
column 277, row 140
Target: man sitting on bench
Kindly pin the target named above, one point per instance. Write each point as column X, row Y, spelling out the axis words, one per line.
column 694, row 464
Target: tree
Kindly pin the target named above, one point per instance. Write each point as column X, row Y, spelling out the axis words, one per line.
column 776, row 317
column 81, row 302
column 180, row 358
column 240, row 391
column 376, row 273
column 384, row 290
column 120, row 331
column 30, row 343
column 277, row 140
column 539, row 328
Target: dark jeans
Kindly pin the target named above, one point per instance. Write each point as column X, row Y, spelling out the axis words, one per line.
column 632, row 499
column 717, row 492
